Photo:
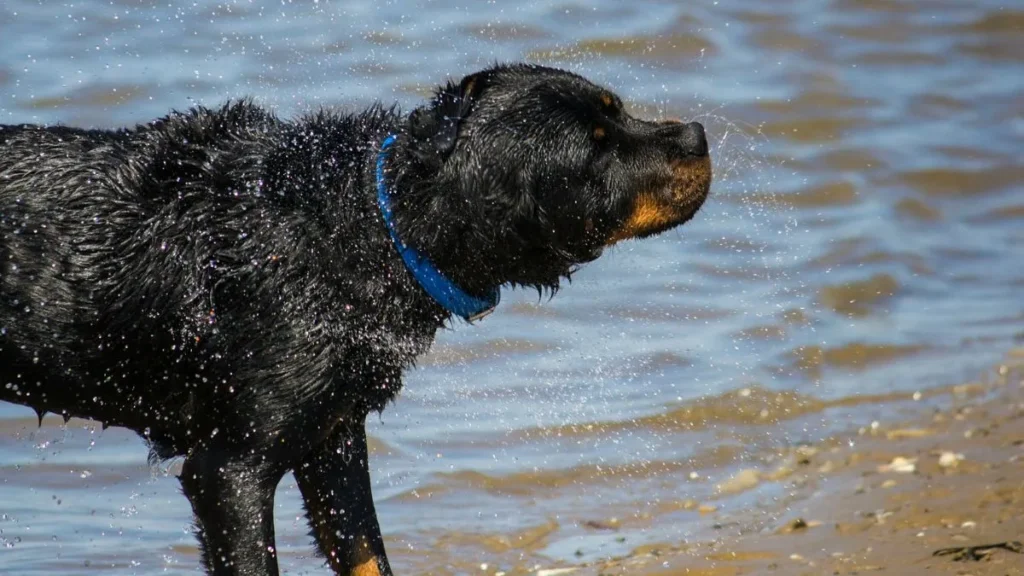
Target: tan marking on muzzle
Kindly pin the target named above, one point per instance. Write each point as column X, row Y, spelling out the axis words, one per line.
column 652, row 211
column 649, row 213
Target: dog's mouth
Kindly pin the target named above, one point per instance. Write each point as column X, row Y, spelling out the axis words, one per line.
column 660, row 210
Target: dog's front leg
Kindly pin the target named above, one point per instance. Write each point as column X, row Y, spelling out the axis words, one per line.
column 335, row 483
column 233, row 500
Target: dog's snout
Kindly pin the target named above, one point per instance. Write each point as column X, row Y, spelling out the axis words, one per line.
column 693, row 140
column 687, row 139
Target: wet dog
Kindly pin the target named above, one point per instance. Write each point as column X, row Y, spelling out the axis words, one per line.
column 242, row 290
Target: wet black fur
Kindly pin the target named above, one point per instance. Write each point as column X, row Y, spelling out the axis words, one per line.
column 220, row 280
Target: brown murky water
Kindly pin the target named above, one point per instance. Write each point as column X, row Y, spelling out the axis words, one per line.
column 863, row 244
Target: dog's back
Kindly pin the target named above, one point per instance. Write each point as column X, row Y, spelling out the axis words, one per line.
column 75, row 228
column 60, row 206
column 121, row 272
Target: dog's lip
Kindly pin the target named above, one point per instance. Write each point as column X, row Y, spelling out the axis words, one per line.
column 676, row 202
column 691, row 180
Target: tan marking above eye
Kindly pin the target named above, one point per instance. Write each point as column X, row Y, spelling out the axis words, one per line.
column 599, row 133
column 607, row 100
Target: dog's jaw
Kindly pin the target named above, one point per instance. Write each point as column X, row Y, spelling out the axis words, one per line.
column 661, row 210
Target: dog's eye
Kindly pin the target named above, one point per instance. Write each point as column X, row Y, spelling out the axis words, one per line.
column 599, row 133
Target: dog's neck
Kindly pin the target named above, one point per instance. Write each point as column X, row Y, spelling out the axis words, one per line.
column 437, row 216
column 447, row 293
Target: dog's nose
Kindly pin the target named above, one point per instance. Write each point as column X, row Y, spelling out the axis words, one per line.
column 688, row 139
column 692, row 137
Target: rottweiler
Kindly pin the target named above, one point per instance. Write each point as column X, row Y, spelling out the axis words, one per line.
column 242, row 290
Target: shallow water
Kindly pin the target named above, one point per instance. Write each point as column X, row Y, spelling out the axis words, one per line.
column 863, row 239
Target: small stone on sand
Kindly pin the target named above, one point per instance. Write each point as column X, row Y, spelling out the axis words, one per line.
column 950, row 459
column 798, row 525
column 900, row 465
column 742, row 480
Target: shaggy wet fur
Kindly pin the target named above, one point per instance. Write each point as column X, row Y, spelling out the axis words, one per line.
column 221, row 281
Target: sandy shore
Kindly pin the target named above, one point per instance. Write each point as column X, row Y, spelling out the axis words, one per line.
column 941, row 492
column 936, row 490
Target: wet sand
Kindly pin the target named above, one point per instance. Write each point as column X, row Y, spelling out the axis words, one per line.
column 936, row 488
column 939, row 492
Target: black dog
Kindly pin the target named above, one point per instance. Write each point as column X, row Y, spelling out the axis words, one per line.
column 243, row 291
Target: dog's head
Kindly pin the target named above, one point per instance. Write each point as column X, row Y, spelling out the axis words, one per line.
column 546, row 169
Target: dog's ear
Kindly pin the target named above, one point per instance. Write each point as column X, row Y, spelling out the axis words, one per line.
column 435, row 126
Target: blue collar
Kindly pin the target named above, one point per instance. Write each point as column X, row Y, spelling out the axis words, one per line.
column 437, row 285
